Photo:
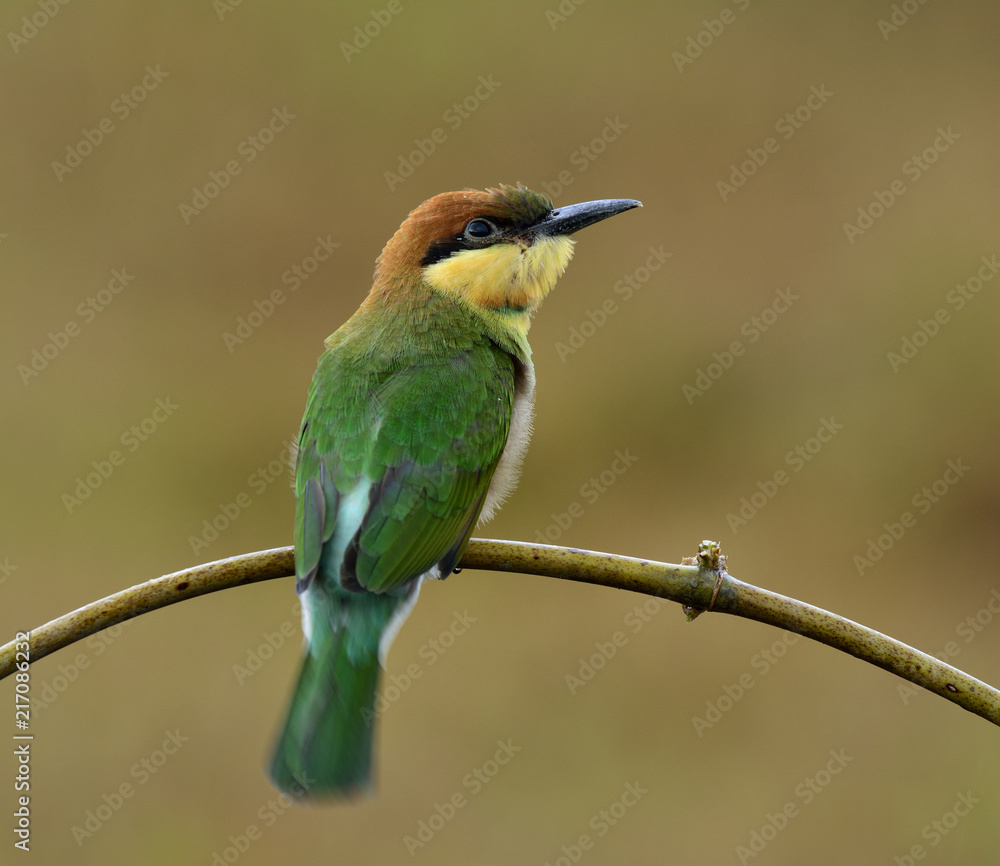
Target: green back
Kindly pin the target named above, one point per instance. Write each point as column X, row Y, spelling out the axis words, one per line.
column 407, row 416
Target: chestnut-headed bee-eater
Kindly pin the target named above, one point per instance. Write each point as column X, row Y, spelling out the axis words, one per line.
column 417, row 420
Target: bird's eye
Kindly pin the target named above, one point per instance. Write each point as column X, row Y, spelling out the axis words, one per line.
column 479, row 228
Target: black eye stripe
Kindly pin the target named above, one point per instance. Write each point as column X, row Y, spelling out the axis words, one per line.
column 479, row 232
column 440, row 250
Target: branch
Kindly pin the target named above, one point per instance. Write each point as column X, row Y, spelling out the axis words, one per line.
column 699, row 585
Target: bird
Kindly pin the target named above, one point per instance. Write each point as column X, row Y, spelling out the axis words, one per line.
column 415, row 426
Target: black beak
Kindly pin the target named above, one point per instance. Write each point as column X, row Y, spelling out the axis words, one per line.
column 572, row 218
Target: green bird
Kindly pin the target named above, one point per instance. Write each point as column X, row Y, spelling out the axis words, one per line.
column 416, row 423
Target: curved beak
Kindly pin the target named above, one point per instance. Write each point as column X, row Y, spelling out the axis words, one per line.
column 572, row 218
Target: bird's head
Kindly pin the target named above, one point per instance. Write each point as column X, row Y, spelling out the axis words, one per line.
column 498, row 250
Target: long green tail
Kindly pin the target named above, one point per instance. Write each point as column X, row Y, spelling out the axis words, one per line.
column 325, row 748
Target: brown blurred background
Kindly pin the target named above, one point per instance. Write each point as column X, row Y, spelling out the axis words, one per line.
column 559, row 76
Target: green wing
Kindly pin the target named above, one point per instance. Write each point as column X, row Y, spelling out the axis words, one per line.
column 395, row 460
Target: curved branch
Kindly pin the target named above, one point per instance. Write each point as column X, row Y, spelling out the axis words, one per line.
column 699, row 585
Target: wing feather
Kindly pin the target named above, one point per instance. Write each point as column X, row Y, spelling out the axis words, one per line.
column 423, row 437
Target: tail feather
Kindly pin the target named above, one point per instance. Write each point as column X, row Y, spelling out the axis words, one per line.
column 325, row 747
